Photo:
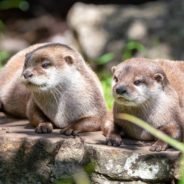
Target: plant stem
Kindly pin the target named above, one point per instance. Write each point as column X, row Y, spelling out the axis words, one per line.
column 160, row 135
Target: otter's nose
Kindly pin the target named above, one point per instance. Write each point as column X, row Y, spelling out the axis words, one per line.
column 121, row 90
column 27, row 74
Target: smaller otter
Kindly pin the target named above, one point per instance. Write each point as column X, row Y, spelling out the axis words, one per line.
column 151, row 90
column 51, row 85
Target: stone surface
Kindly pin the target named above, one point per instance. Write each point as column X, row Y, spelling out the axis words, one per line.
column 66, row 38
column 12, row 44
column 23, row 32
column 27, row 157
column 98, row 179
column 69, row 157
column 134, row 164
column 158, row 26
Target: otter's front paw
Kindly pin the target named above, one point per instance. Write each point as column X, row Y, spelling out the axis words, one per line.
column 159, row 146
column 44, row 128
column 114, row 140
column 69, row 131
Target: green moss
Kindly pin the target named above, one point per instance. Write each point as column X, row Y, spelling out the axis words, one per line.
column 65, row 180
column 90, row 167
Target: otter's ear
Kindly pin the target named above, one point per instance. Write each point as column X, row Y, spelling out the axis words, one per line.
column 69, row 60
column 159, row 77
column 113, row 69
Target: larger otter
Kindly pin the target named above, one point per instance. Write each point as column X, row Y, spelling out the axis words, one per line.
column 151, row 90
column 50, row 84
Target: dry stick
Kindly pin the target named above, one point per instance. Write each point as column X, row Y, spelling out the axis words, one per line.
column 160, row 135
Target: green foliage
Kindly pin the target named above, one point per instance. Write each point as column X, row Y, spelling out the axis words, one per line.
column 128, row 51
column 105, row 58
column 2, row 26
column 3, row 57
column 90, row 167
column 182, row 170
column 130, row 48
column 9, row 4
column 106, row 81
column 65, row 180
column 106, row 78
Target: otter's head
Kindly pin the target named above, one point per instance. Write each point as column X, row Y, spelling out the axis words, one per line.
column 136, row 81
column 46, row 67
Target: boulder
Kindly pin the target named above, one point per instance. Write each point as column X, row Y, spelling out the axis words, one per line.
column 27, row 157
column 154, row 27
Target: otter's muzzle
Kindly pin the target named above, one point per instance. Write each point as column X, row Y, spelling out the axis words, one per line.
column 27, row 74
column 121, row 90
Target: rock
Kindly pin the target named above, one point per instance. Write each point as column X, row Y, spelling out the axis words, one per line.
column 27, row 157
column 90, row 32
column 138, row 165
column 12, row 44
column 69, row 158
column 24, row 32
column 98, row 179
column 137, row 30
column 66, row 38
column 109, row 28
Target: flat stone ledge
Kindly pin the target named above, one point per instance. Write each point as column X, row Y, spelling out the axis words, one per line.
column 27, row 157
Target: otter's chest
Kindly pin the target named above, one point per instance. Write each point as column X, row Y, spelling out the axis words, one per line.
column 63, row 110
column 54, row 108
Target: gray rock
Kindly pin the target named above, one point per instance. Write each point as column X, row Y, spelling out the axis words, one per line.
column 99, row 179
column 138, row 165
column 137, row 30
column 27, row 157
column 109, row 28
column 69, row 158
column 66, row 38
column 91, row 34
column 12, row 44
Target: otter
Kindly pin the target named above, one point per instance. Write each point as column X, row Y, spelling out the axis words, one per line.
column 151, row 90
column 52, row 86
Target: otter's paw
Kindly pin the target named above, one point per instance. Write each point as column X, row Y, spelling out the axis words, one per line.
column 44, row 128
column 159, row 146
column 69, row 131
column 114, row 140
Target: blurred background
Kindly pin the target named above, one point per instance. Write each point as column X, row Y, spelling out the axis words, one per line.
column 104, row 31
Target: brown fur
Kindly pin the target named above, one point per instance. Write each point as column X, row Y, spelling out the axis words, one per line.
column 68, row 105
column 162, row 109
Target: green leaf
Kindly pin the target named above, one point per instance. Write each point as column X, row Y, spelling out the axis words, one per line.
column 105, row 58
column 127, row 55
column 106, row 84
column 181, row 181
column 130, row 48
column 135, row 45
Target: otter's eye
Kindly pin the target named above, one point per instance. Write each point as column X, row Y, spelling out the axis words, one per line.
column 46, row 65
column 138, row 82
column 115, row 79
